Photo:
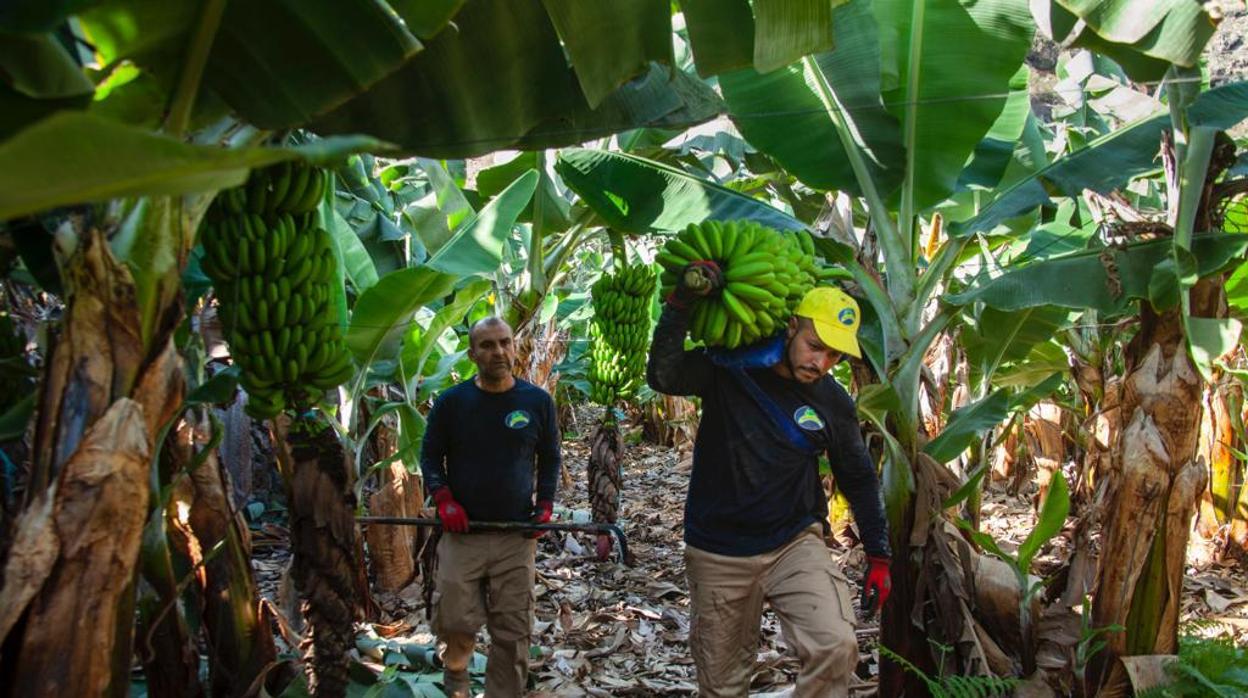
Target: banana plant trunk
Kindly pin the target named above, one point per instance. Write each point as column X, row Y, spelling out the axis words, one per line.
column 68, row 618
column 237, row 621
column 325, row 543
column 1219, row 439
column 1157, row 483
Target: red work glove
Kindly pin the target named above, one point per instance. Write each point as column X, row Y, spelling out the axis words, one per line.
column 877, row 585
column 706, row 278
column 541, row 515
column 451, row 512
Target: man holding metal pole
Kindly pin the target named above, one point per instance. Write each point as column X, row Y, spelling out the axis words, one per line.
column 755, row 511
column 483, row 439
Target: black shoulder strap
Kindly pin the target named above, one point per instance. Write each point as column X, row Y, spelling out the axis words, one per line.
column 795, row 435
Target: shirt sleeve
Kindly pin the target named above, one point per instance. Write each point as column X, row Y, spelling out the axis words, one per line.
column 548, row 455
column 670, row 369
column 433, row 447
column 855, row 476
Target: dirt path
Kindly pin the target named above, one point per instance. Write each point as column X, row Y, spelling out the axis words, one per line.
column 605, row 629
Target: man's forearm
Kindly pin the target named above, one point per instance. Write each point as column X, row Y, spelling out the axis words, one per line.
column 670, row 369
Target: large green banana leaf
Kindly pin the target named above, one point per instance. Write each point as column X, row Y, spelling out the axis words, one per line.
column 972, row 421
column 72, row 158
column 38, row 76
column 35, row 16
column 501, row 80
column 425, row 18
column 635, row 195
column 1143, row 37
column 276, row 63
column 730, row 35
column 640, row 31
column 556, row 214
column 660, row 99
column 946, row 67
column 998, row 337
column 1110, row 161
column 782, row 113
column 993, row 154
column 419, row 343
column 721, row 33
column 382, row 314
column 1106, row 280
column 477, row 247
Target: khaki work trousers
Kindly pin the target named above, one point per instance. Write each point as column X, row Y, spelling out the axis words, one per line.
column 807, row 591
column 485, row 578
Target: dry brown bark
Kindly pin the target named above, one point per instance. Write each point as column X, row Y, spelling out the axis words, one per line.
column 102, row 403
column 1155, row 489
column 325, row 546
column 240, row 641
column 392, row 549
column 1047, row 444
column 1217, row 439
column 84, row 595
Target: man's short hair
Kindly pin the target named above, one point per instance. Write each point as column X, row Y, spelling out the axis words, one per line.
column 483, row 323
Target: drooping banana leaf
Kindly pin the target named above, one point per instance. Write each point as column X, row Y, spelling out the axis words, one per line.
column 639, row 30
column 1144, row 38
column 782, row 113
column 662, row 99
column 972, row 421
column 721, row 33
column 277, row 63
column 993, row 154
column 635, row 195
column 36, row 16
column 501, row 80
column 997, row 338
column 73, row 157
column 38, row 76
column 556, row 211
column 419, row 344
column 946, row 68
column 1110, row 161
column 786, row 30
column 382, row 313
column 1107, row 280
column 477, row 247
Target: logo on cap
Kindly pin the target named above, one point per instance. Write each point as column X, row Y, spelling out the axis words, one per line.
column 807, row 418
column 517, row 420
column 846, row 316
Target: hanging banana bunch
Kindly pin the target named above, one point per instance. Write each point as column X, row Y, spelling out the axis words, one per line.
column 766, row 273
column 274, row 272
column 620, row 333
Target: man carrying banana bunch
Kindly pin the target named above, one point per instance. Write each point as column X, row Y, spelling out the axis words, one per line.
column 483, row 439
column 755, row 510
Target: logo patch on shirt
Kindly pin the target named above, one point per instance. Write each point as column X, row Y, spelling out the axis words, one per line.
column 808, row 419
column 518, row 419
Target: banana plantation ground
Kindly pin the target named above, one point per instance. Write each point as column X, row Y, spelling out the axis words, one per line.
column 606, row 629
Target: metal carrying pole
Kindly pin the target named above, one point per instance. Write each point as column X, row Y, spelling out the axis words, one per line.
column 473, row 526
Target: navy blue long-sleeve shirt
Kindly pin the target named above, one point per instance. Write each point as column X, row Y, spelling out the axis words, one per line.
column 752, row 489
column 484, row 446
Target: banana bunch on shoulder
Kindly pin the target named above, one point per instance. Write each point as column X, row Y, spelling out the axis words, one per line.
column 620, row 333
column 274, row 272
column 766, row 273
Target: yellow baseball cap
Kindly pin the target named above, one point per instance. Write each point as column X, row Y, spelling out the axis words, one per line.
column 835, row 315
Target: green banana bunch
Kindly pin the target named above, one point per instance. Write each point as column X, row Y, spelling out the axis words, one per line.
column 274, row 270
column 620, row 333
column 766, row 273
